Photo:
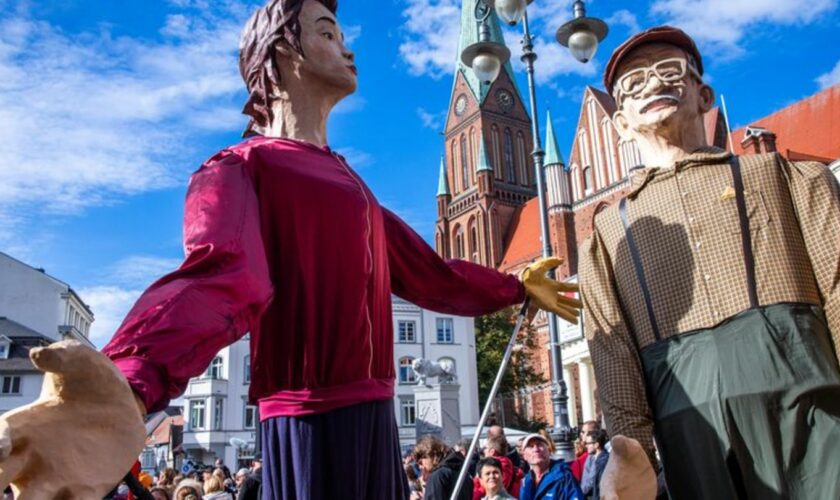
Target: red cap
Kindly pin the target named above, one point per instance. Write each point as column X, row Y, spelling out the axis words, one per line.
column 659, row 34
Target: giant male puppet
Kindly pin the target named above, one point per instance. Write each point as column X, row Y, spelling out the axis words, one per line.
column 284, row 240
column 712, row 299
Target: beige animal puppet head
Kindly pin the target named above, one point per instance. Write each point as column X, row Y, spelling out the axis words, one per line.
column 43, row 454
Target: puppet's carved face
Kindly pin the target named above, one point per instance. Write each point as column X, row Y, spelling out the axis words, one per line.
column 328, row 64
column 657, row 88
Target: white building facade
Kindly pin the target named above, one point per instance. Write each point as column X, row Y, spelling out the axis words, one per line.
column 219, row 422
column 36, row 309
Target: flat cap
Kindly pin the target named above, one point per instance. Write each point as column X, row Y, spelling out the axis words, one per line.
column 659, row 34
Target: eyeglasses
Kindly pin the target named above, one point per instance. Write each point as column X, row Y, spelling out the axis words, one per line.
column 666, row 70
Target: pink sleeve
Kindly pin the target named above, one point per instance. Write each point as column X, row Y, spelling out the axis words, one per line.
column 420, row 276
column 179, row 324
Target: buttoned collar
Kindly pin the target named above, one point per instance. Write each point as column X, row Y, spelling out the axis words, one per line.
column 641, row 176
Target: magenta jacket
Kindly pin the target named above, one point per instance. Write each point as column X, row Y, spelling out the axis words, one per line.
column 283, row 239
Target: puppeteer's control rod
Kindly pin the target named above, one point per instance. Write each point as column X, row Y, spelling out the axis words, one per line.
column 520, row 318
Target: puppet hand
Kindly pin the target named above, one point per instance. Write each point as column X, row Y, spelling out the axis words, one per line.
column 629, row 475
column 547, row 293
column 80, row 437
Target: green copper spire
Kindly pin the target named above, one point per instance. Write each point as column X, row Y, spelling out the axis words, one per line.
column 443, row 184
column 469, row 36
column 552, row 152
column 483, row 162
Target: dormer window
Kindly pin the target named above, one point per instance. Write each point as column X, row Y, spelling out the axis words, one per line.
column 5, row 346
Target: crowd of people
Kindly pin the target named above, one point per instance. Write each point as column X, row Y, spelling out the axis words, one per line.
column 201, row 483
column 528, row 471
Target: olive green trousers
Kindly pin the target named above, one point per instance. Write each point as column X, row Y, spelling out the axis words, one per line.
column 749, row 409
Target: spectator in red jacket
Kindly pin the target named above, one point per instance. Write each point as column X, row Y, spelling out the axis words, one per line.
column 578, row 463
column 497, row 447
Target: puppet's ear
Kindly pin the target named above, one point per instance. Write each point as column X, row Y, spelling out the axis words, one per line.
column 621, row 125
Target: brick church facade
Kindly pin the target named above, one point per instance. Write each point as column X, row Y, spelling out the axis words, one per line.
column 487, row 205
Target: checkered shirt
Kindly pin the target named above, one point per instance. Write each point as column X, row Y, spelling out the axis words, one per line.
column 686, row 227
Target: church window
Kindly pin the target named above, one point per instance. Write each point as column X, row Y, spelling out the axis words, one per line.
column 522, row 158
column 473, row 242
column 596, row 143
column 454, row 159
column 459, row 242
column 510, row 172
column 575, row 170
column 474, row 150
column 609, row 150
column 587, row 181
column 465, row 165
column 497, row 156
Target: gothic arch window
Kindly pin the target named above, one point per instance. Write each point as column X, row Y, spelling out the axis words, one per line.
column 587, row 181
column 510, row 171
column 597, row 162
column 497, row 155
column 454, row 158
column 438, row 244
column 474, row 150
column 459, row 242
column 576, row 191
column 522, row 158
column 465, row 165
column 609, row 150
column 473, row 240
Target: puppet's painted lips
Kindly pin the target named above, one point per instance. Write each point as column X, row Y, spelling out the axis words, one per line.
column 660, row 102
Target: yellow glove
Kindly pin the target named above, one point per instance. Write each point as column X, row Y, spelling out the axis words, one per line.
column 547, row 294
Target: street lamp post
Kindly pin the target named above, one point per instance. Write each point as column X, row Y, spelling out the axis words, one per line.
column 581, row 35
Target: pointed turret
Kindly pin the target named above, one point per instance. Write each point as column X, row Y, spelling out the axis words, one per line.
column 483, row 169
column 558, row 183
column 443, row 182
column 483, row 162
column 552, row 152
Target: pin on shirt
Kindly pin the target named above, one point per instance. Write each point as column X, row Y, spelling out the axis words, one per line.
column 727, row 194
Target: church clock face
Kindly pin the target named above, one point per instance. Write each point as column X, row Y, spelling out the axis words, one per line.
column 504, row 99
column 460, row 104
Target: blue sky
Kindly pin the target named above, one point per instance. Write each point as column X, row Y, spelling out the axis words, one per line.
column 107, row 107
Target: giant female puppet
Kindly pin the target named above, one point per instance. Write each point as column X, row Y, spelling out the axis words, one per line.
column 285, row 241
column 712, row 299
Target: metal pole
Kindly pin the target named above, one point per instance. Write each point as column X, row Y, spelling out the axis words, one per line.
column 559, row 398
column 520, row 318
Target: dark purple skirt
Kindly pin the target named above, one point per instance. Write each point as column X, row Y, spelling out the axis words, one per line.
column 351, row 452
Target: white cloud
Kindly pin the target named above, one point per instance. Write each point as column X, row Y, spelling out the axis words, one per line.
column 110, row 304
column 432, row 28
column 119, row 287
column 351, row 34
column 356, row 158
column 432, row 120
column 88, row 118
column 140, row 271
column 350, row 104
column 720, row 25
column 829, row 79
column 624, row 17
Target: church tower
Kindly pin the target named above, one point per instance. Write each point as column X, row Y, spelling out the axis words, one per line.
column 488, row 170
